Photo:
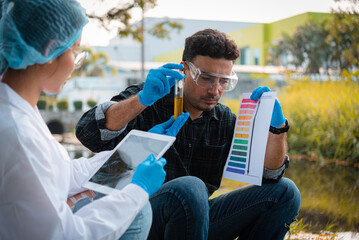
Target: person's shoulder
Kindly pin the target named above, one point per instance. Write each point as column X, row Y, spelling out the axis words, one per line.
column 18, row 127
column 13, row 134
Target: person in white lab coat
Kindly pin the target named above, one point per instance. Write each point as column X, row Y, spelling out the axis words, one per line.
column 39, row 42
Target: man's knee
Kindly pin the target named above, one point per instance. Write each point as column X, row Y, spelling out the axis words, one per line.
column 187, row 190
column 292, row 194
column 189, row 186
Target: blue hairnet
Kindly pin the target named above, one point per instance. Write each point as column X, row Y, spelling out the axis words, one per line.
column 37, row 31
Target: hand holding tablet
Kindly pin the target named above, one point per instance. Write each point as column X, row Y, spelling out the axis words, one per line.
column 150, row 174
column 119, row 165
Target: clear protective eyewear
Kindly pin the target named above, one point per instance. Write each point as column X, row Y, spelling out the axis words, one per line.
column 80, row 58
column 208, row 80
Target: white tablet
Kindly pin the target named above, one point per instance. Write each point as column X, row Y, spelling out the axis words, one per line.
column 120, row 163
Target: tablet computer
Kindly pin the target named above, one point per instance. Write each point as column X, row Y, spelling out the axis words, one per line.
column 120, row 163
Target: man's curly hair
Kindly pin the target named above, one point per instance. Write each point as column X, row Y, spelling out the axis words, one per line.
column 212, row 43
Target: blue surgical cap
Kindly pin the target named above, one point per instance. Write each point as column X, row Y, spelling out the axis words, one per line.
column 37, row 31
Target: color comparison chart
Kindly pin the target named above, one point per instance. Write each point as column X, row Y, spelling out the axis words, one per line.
column 242, row 164
column 239, row 157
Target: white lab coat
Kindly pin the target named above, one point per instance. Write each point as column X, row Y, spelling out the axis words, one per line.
column 37, row 176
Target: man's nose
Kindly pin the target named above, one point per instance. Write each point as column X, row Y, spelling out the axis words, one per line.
column 215, row 89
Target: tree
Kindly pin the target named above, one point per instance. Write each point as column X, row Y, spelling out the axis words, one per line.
column 121, row 14
column 344, row 36
column 95, row 64
column 331, row 43
column 306, row 48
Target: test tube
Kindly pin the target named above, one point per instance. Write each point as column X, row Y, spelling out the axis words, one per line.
column 178, row 99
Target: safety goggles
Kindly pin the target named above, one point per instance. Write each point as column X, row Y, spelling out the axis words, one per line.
column 80, row 58
column 209, row 80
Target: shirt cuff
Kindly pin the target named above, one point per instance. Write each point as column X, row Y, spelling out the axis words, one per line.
column 276, row 174
column 106, row 134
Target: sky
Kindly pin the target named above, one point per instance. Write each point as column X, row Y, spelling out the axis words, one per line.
column 261, row 11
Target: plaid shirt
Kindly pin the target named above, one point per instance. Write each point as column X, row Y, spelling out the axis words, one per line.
column 201, row 147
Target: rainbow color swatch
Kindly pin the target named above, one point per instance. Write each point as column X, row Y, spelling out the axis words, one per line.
column 239, row 155
column 245, row 159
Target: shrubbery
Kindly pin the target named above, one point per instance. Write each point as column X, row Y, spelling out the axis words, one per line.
column 78, row 105
column 91, row 103
column 62, row 104
column 324, row 118
column 41, row 104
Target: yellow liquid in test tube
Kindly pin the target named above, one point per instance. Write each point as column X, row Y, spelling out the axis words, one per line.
column 178, row 108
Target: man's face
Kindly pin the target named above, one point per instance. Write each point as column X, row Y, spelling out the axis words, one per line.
column 197, row 98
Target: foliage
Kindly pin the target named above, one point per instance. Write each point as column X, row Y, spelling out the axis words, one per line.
column 331, row 43
column 62, row 104
column 121, row 13
column 344, row 36
column 306, row 48
column 91, row 103
column 41, row 104
column 296, row 227
column 78, row 105
column 95, row 65
column 160, row 30
column 324, row 118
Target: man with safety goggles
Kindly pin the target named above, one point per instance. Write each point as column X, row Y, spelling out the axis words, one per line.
column 209, row 80
column 182, row 208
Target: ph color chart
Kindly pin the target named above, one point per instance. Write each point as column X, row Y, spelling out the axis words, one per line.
column 246, row 157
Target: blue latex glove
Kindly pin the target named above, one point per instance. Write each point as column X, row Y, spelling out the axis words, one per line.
column 278, row 118
column 159, row 82
column 150, row 174
column 171, row 127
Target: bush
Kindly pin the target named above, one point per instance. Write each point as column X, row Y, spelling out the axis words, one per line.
column 324, row 118
column 41, row 104
column 63, row 104
column 91, row 103
column 78, row 105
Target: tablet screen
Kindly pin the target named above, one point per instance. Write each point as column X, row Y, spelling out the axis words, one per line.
column 117, row 171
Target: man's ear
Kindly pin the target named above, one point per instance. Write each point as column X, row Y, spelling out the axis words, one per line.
column 184, row 67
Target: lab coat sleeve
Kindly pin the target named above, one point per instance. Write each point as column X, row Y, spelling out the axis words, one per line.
column 33, row 207
column 81, row 170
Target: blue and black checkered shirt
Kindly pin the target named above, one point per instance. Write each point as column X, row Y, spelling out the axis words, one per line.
column 201, row 146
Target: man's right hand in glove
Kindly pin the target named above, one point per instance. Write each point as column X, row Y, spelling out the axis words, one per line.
column 159, row 82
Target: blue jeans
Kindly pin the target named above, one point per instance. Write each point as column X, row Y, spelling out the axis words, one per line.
column 139, row 227
column 182, row 210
